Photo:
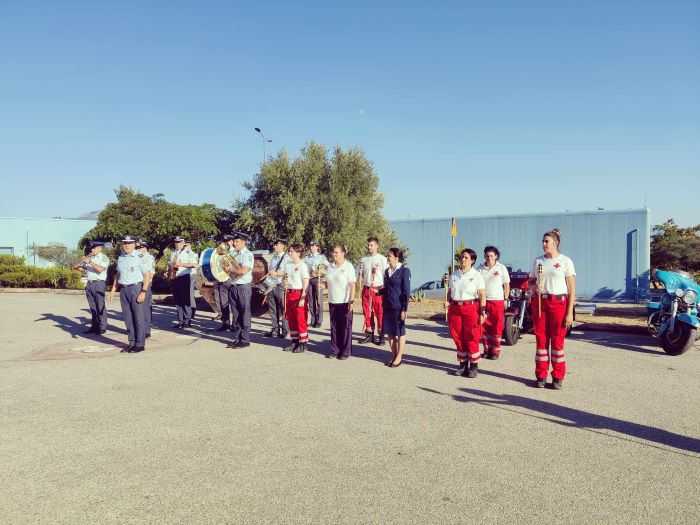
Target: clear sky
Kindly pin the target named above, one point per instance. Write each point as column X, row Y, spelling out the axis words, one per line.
column 465, row 108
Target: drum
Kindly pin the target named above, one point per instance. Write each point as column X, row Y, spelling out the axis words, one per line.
column 212, row 267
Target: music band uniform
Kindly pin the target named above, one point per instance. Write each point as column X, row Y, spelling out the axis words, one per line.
column 95, row 289
column 275, row 298
column 181, row 283
column 240, row 294
column 315, row 295
column 130, row 276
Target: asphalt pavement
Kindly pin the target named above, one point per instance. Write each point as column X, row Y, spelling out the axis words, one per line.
column 192, row 432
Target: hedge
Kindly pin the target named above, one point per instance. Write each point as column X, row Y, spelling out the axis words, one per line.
column 15, row 273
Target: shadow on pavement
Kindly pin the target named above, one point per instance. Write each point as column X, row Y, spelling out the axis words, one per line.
column 621, row 341
column 77, row 329
column 575, row 418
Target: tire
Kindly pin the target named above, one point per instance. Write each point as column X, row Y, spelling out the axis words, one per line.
column 680, row 341
column 511, row 330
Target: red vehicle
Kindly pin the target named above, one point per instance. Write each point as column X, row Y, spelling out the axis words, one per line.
column 518, row 319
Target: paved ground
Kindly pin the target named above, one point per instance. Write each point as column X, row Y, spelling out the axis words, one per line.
column 190, row 432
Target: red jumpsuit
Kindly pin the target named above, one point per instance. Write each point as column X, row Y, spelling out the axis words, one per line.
column 463, row 314
column 297, row 317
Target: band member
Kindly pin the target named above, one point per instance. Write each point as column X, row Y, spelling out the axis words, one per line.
column 275, row 297
column 149, row 267
column 222, row 290
column 553, row 283
column 182, row 261
column 95, row 265
column 340, row 281
column 317, row 264
column 297, row 274
column 397, row 290
column 241, row 292
column 133, row 284
column 466, row 312
column 193, row 283
column 497, row 283
column 372, row 268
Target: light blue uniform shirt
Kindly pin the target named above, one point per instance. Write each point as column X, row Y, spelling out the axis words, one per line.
column 148, row 262
column 100, row 260
column 130, row 268
column 274, row 262
column 246, row 258
column 314, row 261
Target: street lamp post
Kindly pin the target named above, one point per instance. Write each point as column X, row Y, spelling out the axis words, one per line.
column 264, row 142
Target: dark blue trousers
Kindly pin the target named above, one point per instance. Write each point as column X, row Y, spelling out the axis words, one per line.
column 95, row 293
column 134, row 313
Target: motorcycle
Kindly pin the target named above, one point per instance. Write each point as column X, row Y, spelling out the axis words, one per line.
column 674, row 318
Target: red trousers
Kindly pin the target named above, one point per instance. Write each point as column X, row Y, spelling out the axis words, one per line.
column 550, row 332
column 465, row 330
column 372, row 308
column 297, row 317
column 493, row 327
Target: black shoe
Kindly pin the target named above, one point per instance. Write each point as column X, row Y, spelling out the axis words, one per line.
column 223, row 328
column 180, row 326
column 459, row 370
column 102, row 332
column 138, row 349
column 395, row 365
column 292, row 347
column 300, row 348
column 241, row 344
column 189, row 323
column 473, row 370
column 331, row 356
column 282, row 335
column 272, row 334
column 90, row 331
column 465, row 370
column 127, row 350
column 539, row 383
column 379, row 340
column 367, row 338
column 343, row 357
column 148, row 335
column 557, row 384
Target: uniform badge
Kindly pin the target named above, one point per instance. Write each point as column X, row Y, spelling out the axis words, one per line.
column 496, row 274
column 557, row 265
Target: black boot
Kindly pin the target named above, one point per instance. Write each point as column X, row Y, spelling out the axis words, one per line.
column 473, row 370
column 379, row 340
column 223, row 328
column 292, row 347
column 301, row 347
column 367, row 338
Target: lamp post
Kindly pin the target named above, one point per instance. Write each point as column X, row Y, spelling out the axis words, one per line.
column 264, row 142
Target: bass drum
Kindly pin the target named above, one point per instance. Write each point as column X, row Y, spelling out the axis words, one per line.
column 258, row 307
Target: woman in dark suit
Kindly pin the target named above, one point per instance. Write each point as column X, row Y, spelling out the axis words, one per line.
column 397, row 290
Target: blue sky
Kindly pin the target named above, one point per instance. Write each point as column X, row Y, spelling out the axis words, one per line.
column 464, row 108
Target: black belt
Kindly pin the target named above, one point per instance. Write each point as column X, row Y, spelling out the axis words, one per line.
column 128, row 285
column 460, row 303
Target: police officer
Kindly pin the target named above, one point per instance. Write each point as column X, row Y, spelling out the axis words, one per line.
column 241, row 292
column 275, row 296
column 317, row 264
column 149, row 267
column 182, row 261
column 134, row 285
column 222, row 290
column 95, row 266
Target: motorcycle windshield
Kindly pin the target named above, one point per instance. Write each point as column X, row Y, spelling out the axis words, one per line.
column 675, row 280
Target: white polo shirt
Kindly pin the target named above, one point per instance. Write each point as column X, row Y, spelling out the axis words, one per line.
column 372, row 270
column 296, row 273
column 465, row 286
column 495, row 278
column 555, row 270
column 338, row 279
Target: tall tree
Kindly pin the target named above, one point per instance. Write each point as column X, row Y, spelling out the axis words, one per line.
column 332, row 199
column 674, row 247
column 153, row 219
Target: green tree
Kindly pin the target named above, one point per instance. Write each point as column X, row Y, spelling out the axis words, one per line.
column 673, row 247
column 330, row 198
column 153, row 219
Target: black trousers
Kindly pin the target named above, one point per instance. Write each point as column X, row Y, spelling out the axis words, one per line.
column 315, row 302
column 341, row 329
column 133, row 312
column 276, row 301
column 222, row 292
column 181, row 293
column 239, row 302
column 95, row 293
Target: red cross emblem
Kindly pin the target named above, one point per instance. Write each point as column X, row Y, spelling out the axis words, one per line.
column 495, row 273
column 557, row 265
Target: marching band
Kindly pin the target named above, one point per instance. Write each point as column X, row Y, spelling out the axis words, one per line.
column 476, row 298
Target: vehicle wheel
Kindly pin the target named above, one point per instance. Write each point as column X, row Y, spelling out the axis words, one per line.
column 511, row 331
column 680, row 340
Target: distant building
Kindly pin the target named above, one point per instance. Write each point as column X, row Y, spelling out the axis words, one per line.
column 611, row 249
column 18, row 235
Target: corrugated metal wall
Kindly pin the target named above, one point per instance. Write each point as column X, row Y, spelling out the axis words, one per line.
column 610, row 248
column 17, row 234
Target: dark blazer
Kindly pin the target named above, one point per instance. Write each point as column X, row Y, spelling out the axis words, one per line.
column 397, row 289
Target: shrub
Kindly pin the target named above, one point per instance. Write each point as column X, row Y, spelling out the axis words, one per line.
column 15, row 273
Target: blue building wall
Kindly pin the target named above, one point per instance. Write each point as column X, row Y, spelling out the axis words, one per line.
column 610, row 248
column 18, row 235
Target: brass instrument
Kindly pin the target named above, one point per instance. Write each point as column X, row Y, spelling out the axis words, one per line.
column 228, row 262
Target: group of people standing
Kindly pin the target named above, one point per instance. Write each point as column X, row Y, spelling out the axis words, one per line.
column 475, row 303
